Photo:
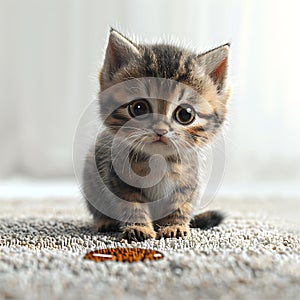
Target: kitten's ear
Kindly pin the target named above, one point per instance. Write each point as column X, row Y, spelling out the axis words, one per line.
column 120, row 50
column 215, row 64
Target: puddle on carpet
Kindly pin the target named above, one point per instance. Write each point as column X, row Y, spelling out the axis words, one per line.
column 123, row 255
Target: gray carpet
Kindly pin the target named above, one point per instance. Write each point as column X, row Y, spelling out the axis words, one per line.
column 250, row 256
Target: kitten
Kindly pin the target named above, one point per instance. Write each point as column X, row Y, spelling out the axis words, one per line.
column 156, row 101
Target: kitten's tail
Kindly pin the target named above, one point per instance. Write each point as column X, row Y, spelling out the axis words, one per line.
column 207, row 219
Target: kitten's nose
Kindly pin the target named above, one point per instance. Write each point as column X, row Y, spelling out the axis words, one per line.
column 160, row 128
column 160, row 131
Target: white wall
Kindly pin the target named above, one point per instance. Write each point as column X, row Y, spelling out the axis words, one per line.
column 51, row 51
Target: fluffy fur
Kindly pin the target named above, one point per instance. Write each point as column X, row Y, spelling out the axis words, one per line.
column 177, row 129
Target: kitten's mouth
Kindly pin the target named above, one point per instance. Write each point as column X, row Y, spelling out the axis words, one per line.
column 160, row 139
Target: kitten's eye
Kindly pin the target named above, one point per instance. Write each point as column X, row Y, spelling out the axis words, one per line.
column 139, row 108
column 184, row 114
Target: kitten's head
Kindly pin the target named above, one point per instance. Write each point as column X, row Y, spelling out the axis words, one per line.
column 163, row 98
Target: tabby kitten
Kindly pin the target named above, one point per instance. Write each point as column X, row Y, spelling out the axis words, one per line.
column 157, row 101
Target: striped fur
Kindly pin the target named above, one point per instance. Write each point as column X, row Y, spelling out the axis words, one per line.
column 198, row 81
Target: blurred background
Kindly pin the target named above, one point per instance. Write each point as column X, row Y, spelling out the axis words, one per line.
column 51, row 52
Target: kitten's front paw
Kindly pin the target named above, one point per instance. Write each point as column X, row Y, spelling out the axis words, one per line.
column 138, row 233
column 174, row 231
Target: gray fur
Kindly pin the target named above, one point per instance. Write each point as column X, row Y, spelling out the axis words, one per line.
column 204, row 73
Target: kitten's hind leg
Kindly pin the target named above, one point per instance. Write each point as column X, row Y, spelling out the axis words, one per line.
column 106, row 224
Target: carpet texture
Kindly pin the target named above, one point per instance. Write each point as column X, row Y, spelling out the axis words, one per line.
column 42, row 247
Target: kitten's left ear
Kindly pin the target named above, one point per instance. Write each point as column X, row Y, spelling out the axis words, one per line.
column 215, row 64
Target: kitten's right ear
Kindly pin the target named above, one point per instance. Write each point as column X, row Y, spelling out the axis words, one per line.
column 120, row 50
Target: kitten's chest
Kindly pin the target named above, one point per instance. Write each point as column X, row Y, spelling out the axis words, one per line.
column 161, row 190
column 165, row 182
